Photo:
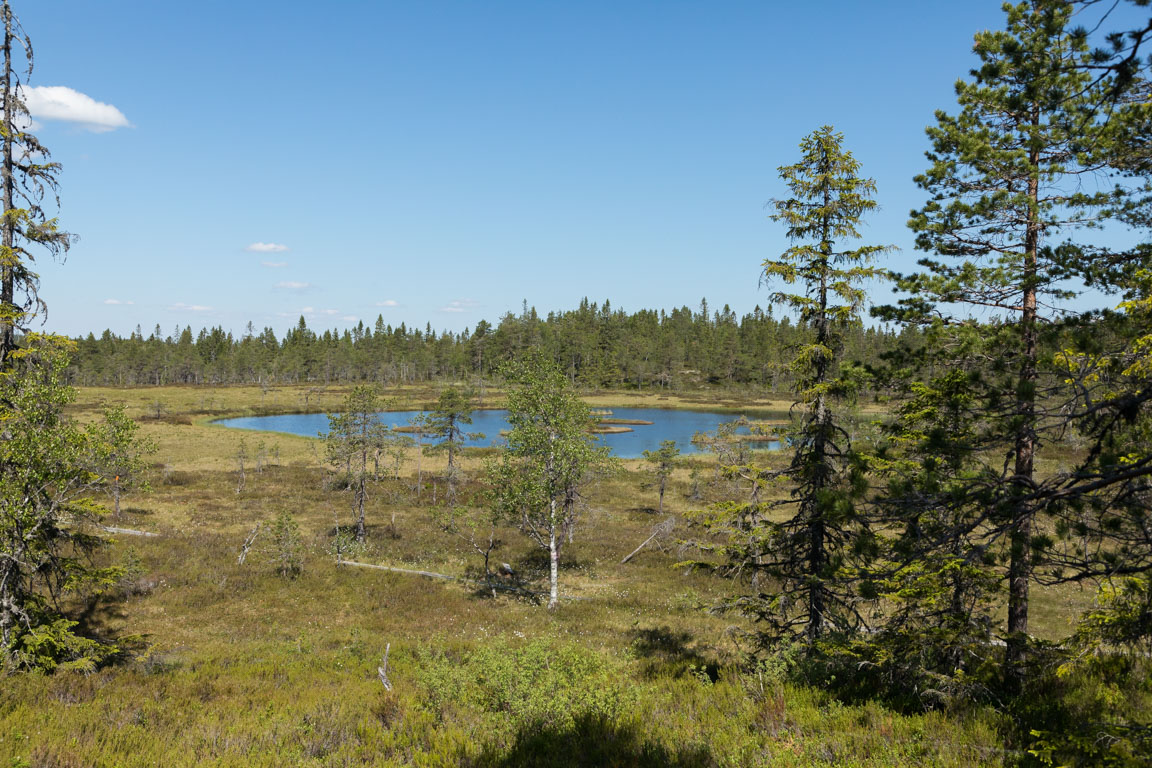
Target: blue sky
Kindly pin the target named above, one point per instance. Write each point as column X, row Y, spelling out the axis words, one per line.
column 439, row 162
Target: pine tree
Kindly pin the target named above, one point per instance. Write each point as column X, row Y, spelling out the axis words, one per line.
column 663, row 461
column 1022, row 165
column 119, row 459
column 446, row 422
column 354, row 436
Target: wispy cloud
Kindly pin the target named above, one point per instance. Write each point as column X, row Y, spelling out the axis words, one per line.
column 266, row 248
column 118, row 302
column 58, row 102
column 293, row 285
column 182, row 307
column 460, row 305
column 350, row 318
column 388, row 303
column 314, row 311
column 274, row 264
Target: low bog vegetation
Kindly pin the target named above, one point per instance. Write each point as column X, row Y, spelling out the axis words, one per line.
column 273, row 661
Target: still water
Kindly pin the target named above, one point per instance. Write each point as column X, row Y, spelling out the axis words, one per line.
column 666, row 425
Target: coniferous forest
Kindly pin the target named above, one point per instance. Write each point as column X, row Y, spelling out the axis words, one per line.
column 921, row 536
column 595, row 346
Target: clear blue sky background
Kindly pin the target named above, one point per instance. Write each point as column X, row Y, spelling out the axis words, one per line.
column 438, row 162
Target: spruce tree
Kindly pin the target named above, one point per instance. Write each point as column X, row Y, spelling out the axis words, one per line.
column 809, row 553
column 804, row 567
column 27, row 176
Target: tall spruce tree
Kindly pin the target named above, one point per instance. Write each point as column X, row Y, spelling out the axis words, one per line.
column 1022, row 165
column 48, row 520
column 804, row 566
column 808, row 553
column 26, row 176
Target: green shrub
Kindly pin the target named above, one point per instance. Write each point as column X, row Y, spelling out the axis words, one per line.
column 543, row 684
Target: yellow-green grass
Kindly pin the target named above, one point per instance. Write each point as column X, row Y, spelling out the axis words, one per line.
column 238, row 666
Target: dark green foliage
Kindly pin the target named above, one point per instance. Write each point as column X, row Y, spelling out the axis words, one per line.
column 47, row 517
column 446, row 422
column 676, row 349
column 355, row 436
column 663, row 461
column 804, row 567
column 28, row 176
column 1013, row 175
column 1095, row 708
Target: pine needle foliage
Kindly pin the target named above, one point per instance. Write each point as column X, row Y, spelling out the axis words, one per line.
column 1032, row 157
column 48, row 519
column 355, row 435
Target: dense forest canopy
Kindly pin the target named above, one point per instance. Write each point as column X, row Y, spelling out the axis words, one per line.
column 595, row 345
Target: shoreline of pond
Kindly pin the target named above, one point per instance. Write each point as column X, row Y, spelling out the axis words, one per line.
column 627, row 435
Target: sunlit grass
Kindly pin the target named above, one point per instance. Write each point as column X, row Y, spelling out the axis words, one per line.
column 235, row 665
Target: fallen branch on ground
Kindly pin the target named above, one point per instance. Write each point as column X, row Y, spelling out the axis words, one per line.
column 663, row 529
column 460, row 579
column 126, row 531
column 248, row 544
column 383, row 670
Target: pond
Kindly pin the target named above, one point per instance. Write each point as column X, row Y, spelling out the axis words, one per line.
column 666, row 425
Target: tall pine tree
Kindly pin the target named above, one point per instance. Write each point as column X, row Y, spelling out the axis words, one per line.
column 1024, row 164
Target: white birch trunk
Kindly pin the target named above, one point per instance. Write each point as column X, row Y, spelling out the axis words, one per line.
column 554, row 562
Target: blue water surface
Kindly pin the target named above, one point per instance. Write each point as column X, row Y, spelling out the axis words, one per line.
column 666, row 425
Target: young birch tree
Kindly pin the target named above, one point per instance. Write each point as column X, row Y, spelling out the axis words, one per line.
column 548, row 459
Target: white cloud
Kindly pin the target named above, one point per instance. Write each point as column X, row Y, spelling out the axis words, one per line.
column 182, row 307
column 58, row 102
column 314, row 311
column 274, row 264
column 266, row 248
column 349, row 318
column 460, row 305
column 293, row 285
column 117, row 302
column 388, row 303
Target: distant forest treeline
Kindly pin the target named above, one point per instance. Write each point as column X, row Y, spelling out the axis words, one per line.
column 596, row 345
